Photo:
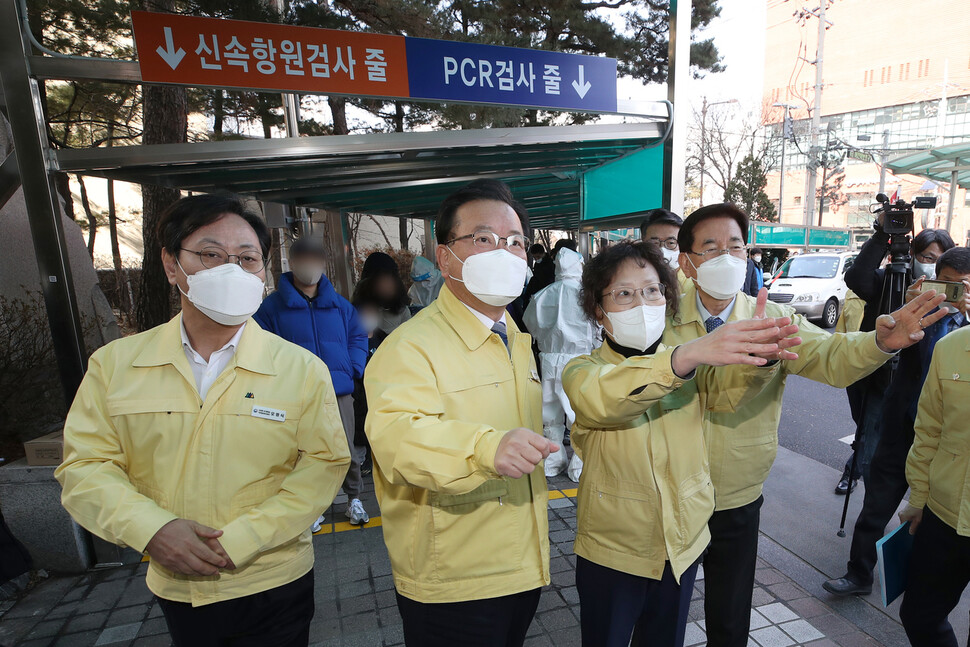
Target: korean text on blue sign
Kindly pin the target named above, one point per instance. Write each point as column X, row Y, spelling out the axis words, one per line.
column 474, row 73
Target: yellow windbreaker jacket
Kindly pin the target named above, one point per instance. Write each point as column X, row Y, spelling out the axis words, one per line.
column 742, row 444
column 938, row 467
column 645, row 495
column 441, row 393
column 142, row 449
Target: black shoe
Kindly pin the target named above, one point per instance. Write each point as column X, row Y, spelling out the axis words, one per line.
column 845, row 485
column 845, row 586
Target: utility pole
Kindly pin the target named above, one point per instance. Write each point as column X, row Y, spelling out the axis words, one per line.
column 825, row 169
column 812, row 166
column 704, row 106
column 784, row 137
column 883, row 160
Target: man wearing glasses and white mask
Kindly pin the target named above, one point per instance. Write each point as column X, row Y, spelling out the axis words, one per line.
column 742, row 443
column 210, row 444
column 455, row 424
column 660, row 228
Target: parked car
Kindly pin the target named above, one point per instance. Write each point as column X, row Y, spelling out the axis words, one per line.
column 814, row 285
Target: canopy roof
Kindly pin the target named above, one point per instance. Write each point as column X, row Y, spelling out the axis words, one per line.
column 394, row 174
column 937, row 164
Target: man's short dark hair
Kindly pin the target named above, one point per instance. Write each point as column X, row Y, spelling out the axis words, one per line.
column 956, row 258
column 599, row 273
column 685, row 239
column 477, row 190
column 188, row 215
column 756, row 250
column 663, row 216
column 537, row 249
column 927, row 237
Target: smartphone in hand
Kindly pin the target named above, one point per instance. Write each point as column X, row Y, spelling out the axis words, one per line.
column 953, row 290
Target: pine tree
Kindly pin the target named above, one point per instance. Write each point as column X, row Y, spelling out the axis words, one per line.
column 747, row 190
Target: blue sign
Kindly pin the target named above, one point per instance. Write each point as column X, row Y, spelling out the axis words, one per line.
column 473, row 73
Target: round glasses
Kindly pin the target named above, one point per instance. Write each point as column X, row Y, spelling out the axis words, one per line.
column 484, row 239
column 652, row 294
column 667, row 243
column 212, row 257
column 735, row 250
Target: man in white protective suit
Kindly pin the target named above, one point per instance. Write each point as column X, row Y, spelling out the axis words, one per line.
column 556, row 320
column 426, row 282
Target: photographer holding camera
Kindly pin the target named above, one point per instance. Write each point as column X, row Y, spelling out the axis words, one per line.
column 870, row 282
column 886, row 481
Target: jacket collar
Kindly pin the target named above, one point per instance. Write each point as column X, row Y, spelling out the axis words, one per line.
column 166, row 348
column 326, row 294
column 467, row 325
column 743, row 307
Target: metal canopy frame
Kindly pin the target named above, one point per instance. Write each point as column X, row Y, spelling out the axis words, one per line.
column 393, row 174
column 949, row 164
column 403, row 174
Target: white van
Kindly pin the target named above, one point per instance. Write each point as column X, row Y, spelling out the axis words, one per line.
column 814, row 285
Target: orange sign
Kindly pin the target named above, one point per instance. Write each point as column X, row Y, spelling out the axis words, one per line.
column 191, row 50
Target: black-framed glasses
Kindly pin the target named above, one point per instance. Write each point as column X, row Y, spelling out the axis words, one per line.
column 666, row 243
column 484, row 239
column 652, row 293
column 212, row 257
column 734, row 250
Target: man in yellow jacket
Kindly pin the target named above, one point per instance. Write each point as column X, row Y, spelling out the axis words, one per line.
column 938, row 472
column 455, row 425
column 742, row 443
column 210, row 444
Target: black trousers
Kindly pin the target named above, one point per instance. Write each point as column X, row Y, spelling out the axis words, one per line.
column 939, row 571
column 493, row 622
column 279, row 617
column 885, row 489
column 729, row 567
column 614, row 605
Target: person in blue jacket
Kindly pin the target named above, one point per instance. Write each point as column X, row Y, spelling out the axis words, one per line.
column 307, row 311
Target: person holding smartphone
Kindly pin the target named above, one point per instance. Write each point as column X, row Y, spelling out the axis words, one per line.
column 887, row 477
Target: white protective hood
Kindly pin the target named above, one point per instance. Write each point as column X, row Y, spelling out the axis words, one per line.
column 554, row 316
column 426, row 282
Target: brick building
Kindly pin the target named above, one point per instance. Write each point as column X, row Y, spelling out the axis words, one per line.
column 893, row 70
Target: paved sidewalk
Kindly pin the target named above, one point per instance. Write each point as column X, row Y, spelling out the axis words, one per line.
column 356, row 602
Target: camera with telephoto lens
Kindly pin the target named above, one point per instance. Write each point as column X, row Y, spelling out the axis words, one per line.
column 897, row 216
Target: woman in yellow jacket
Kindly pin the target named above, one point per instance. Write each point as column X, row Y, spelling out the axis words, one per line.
column 645, row 495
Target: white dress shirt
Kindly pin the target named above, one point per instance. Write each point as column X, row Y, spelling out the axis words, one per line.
column 488, row 322
column 705, row 315
column 206, row 373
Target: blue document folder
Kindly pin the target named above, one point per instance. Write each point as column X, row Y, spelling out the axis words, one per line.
column 893, row 552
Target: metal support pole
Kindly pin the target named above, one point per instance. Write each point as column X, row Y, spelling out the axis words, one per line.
column 342, row 280
column 430, row 244
column 25, row 112
column 883, row 160
column 678, row 77
column 816, row 118
column 951, row 203
column 703, row 147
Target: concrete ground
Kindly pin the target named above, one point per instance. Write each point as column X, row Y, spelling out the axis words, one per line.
column 356, row 603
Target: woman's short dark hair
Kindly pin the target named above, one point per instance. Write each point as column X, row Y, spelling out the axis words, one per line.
column 685, row 238
column 477, row 190
column 188, row 215
column 602, row 268
column 927, row 237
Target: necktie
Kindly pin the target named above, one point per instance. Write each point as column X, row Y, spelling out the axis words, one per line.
column 713, row 323
column 500, row 330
